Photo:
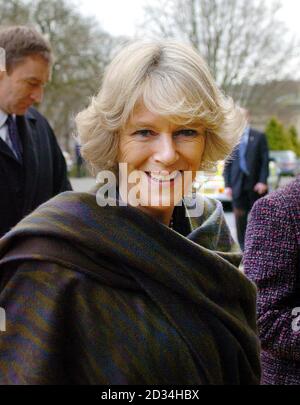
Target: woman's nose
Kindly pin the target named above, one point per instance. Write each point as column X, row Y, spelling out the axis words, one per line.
column 166, row 151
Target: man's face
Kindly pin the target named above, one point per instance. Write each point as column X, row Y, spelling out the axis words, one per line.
column 24, row 85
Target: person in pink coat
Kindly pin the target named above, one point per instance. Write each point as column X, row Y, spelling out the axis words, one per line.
column 272, row 261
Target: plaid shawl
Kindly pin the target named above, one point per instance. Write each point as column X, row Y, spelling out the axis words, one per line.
column 111, row 296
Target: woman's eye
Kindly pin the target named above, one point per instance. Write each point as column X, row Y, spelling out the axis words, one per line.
column 186, row 133
column 144, row 133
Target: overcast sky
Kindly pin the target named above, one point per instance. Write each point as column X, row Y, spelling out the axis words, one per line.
column 119, row 17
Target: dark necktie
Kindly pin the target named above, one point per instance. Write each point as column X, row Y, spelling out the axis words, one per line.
column 14, row 137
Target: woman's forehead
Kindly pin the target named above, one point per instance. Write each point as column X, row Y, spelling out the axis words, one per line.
column 141, row 116
column 142, row 113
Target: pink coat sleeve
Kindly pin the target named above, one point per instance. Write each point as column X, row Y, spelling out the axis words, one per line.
column 271, row 261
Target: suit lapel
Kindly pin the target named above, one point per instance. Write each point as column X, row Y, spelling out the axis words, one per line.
column 5, row 149
column 27, row 130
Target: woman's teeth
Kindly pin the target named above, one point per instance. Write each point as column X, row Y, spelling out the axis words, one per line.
column 162, row 177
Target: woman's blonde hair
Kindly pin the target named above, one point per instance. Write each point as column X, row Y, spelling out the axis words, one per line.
column 170, row 79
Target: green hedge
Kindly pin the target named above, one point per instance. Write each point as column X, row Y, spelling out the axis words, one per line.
column 280, row 138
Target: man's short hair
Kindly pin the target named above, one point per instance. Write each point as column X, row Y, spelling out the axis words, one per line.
column 20, row 42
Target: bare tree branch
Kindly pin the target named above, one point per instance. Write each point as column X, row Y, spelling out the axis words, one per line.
column 243, row 41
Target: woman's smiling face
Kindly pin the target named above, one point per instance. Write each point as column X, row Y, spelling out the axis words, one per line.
column 160, row 153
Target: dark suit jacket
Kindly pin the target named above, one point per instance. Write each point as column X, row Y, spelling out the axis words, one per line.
column 41, row 176
column 272, row 262
column 257, row 158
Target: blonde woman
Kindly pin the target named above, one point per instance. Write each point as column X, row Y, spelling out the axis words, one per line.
column 132, row 283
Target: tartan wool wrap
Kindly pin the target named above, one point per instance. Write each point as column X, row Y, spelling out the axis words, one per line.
column 108, row 295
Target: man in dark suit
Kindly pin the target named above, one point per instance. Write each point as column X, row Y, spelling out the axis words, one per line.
column 246, row 173
column 32, row 166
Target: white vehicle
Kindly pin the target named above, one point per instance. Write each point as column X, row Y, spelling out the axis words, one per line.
column 212, row 184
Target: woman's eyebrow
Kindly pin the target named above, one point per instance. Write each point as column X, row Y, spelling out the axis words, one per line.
column 142, row 124
column 175, row 127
